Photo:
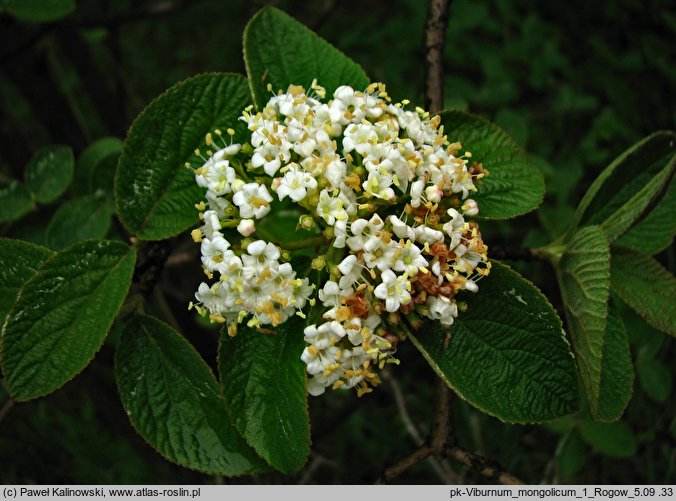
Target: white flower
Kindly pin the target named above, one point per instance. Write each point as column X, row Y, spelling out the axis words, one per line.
column 271, row 155
column 301, row 292
column 321, row 354
column 213, row 250
column 219, row 205
column 352, row 362
column 393, row 290
column 454, row 228
column 471, row 286
column 463, row 182
column 323, row 121
column 443, row 309
column 209, row 297
column 332, row 294
column 359, row 137
column 316, row 385
column 379, row 185
column 351, row 269
column 379, row 254
column 410, row 259
column 400, row 228
column 216, row 175
column 339, row 233
column 211, row 223
column 347, row 105
column 253, row 200
column 330, row 208
column 363, row 230
column 295, row 184
column 263, row 251
column 417, row 188
column 334, row 169
column 426, row 234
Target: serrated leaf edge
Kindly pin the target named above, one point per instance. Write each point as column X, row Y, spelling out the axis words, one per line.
column 441, row 374
column 107, row 330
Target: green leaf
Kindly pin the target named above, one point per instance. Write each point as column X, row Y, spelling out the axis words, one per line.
column 570, row 455
column 654, row 378
column 506, row 354
column 82, row 218
column 21, row 261
column 617, row 371
column 611, row 439
column 174, row 402
column 583, row 272
column 623, row 180
column 49, row 173
column 263, row 380
column 514, row 185
column 656, row 231
column 15, row 201
column 646, row 286
column 640, row 204
column 38, row 11
column 280, row 51
column 63, row 315
column 95, row 167
column 155, row 194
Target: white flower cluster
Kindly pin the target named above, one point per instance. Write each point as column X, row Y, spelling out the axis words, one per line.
column 390, row 194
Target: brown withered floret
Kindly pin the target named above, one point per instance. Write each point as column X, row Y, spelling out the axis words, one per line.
column 417, row 212
column 477, row 168
column 440, row 250
column 409, row 307
column 426, row 282
column 358, row 304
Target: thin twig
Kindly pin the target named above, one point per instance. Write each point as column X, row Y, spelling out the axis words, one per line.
column 181, row 258
column 436, row 443
column 435, row 40
column 483, row 466
column 315, row 463
column 6, row 407
column 442, row 427
column 405, row 464
column 440, row 467
column 400, row 401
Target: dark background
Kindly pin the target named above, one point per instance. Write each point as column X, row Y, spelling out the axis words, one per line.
column 574, row 82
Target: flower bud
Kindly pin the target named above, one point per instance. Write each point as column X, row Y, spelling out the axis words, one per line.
column 470, row 208
column 318, row 263
column 246, row 227
column 433, row 194
column 306, row 222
